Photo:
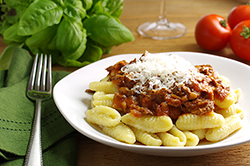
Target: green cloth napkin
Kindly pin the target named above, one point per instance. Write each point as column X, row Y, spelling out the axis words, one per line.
column 16, row 117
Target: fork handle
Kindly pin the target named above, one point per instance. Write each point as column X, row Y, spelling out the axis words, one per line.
column 34, row 154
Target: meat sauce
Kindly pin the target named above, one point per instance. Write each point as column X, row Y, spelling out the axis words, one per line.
column 196, row 97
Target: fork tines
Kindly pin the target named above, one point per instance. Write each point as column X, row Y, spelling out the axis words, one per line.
column 41, row 72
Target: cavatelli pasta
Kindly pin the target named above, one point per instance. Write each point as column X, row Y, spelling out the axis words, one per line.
column 154, row 130
column 228, row 101
column 103, row 115
column 232, row 124
column 106, row 87
column 194, row 122
column 120, row 132
column 239, row 111
column 146, row 138
column 238, row 93
column 148, row 123
column 99, row 95
column 192, row 139
column 173, row 137
column 102, row 102
column 105, row 79
column 200, row 133
column 232, row 110
column 100, row 98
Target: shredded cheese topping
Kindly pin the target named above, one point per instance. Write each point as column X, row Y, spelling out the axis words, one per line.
column 157, row 71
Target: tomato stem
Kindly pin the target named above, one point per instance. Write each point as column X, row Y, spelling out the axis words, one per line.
column 223, row 23
column 245, row 32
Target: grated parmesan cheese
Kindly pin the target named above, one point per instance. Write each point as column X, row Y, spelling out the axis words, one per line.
column 157, row 71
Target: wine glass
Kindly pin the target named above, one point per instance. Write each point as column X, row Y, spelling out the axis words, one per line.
column 162, row 28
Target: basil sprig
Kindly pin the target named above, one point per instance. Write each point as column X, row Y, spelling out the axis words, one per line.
column 75, row 32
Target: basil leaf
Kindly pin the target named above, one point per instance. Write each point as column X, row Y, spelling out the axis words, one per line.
column 3, row 26
column 38, row 16
column 10, row 35
column 70, row 38
column 74, row 9
column 73, row 63
column 91, row 54
column 6, row 56
column 42, row 38
column 59, row 2
column 87, row 4
column 113, row 7
column 15, row 3
column 16, row 9
column 80, row 50
column 107, row 31
column 97, row 8
column 52, row 44
column 60, row 28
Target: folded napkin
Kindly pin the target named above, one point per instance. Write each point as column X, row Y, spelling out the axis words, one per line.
column 16, row 117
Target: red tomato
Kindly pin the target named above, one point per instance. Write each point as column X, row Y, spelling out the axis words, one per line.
column 238, row 14
column 212, row 32
column 240, row 40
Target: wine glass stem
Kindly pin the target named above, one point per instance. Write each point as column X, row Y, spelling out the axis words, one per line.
column 162, row 18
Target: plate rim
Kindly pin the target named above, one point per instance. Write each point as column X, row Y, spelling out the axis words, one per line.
column 121, row 144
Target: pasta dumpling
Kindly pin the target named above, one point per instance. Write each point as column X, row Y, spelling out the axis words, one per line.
column 232, row 110
column 106, row 87
column 196, row 122
column 232, row 124
column 200, row 133
column 100, row 98
column 146, row 138
column 103, row 115
column 148, row 123
column 174, row 137
column 192, row 139
column 230, row 99
column 164, row 100
column 120, row 132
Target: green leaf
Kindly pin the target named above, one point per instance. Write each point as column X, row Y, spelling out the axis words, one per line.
column 80, row 50
column 52, row 44
column 14, row 3
column 107, row 31
column 59, row 2
column 6, row 56
column 11, row 35
column 38, row 16
column 74, row 9
column 75, row 32
column 73, row 63
column 16, row 9
column 97, row 8
column 71, row 38
column 87, row 4
column 42, row 38
column 91, row 54
column 113, row 7
column 3, row 26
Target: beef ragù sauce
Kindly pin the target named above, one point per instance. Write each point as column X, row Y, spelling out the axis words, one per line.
column 157, row 84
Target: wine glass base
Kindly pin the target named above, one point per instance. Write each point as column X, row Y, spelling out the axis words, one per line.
column 158, row 31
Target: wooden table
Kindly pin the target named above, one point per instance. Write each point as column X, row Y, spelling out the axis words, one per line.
column 187, row 12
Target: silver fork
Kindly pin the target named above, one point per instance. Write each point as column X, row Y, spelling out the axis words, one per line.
column 39, row 89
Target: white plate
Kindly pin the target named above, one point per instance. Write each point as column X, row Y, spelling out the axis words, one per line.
column 72, row 100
